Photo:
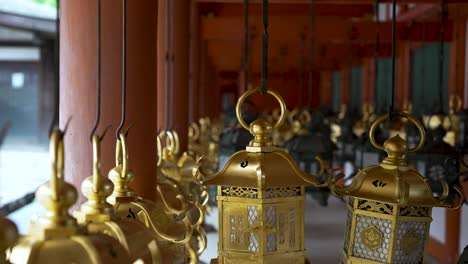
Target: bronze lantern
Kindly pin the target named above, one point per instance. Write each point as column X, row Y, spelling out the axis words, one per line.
column 389, row 208
column 56, row 237
column 261, row 199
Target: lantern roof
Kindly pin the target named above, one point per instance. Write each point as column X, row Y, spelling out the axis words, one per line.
column 261, row 165
column 392, row 181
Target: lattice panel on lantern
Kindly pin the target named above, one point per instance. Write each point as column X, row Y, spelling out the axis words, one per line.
column 253, row 219
column 239, row 192
column 348, row 226
column 270, row 228
column 292, row 227
column 415, row 211
column 372, row 237
column 377, row 207
column 410, row 239
column 282, row 192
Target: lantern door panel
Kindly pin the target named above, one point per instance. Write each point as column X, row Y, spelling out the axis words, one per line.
column 239, row 222
column 282, row 227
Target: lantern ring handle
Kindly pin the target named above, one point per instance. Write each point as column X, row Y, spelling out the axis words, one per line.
column 408, row 116
column 248, row 93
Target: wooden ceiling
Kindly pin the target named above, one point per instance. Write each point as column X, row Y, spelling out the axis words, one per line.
column 344, row 30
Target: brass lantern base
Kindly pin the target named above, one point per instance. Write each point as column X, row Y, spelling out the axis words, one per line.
column 306, row 261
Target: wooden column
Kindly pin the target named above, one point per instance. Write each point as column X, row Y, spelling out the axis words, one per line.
column 326, row 88
column 368, row 76
column 345, row 85
column 194, row 81
column 403, row 74
column 162, row 56
column 78, row 87
column 457, row 59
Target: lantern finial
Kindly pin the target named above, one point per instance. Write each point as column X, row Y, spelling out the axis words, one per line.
column 396, row 149
column 261, row 130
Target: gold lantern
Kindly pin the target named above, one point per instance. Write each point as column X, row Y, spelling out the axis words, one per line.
column 98, row 216
column 165, row 228
column 8, row 236
column 175, row 174
column 261, row 199
column 389, row 209
column 56, row 237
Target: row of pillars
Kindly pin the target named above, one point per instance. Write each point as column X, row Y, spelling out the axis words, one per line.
column 146, row 53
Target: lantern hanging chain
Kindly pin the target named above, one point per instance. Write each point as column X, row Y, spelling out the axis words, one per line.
column 392, row 103
column 301, row 69
column 311, row 52
column 55, row 118
column 377, row 44
column 98, row 83
column 246, row 43
column 441, row 54
column 264, row 47
column 124, row 68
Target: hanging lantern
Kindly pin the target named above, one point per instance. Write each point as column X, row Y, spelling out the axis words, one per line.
column 454, row 123
column 389, row 209
column 437, row 160
column 343, row 137
column 261, row 199
column 155, row 216
column 55, row 237
column 8, row 236
column 98, row 216
column 178, row 176
column 306, row 146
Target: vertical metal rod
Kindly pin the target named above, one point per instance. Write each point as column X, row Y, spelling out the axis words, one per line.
column 264, row 47
column 392, row 103
column 173, row 78
column 246, row 44
column 56, row 114
column 98, row 82
column 441, row 56
column 166, row 69
column 376, row 54
column 124, row 68
column 311, row 52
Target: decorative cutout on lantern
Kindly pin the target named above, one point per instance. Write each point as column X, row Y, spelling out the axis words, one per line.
column 56, row 237
column 389, row 210
column 261, row 199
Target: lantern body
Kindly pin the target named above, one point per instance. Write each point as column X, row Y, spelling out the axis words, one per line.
column 389, row 206
column 261, row 226
column 385, row 233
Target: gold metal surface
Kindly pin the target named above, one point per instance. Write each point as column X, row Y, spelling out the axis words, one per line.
column 55, row 237
column 99, row 217
column 261, row 199
column 389, row 208
column 165, row 228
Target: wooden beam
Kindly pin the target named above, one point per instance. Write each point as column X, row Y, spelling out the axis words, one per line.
column 275, row 9
column 282, row 28
column 337, row 2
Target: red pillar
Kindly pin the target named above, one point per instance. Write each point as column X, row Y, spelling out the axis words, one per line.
column 78, row 86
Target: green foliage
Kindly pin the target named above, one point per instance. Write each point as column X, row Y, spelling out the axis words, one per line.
column 47, row 2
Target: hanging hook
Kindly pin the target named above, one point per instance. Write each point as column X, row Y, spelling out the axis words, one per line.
column 124, row 68
column 98, row 84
